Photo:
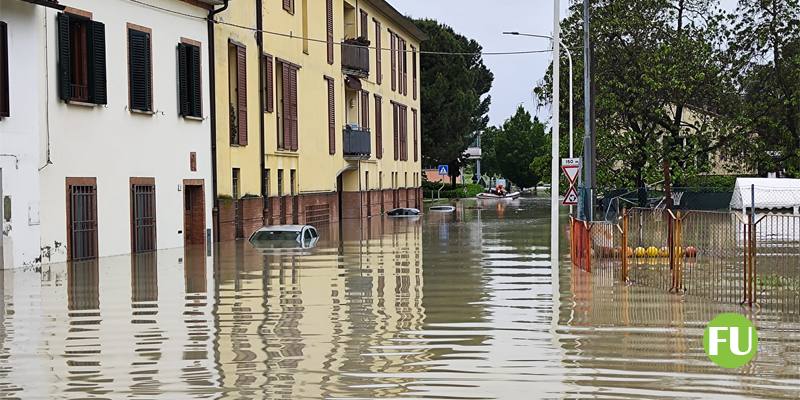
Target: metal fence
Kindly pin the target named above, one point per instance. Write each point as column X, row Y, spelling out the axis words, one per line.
column 730, row 256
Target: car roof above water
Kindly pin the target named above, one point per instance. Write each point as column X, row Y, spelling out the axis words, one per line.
column 283, row 228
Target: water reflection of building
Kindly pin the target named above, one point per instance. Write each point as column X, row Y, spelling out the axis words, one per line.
column 285, row 320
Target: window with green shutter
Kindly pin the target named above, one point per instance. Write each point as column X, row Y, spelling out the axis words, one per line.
column 190, row 96
column 140, row 70
column 81, row 59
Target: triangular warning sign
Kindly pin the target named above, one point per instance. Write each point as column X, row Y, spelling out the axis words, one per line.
column 571, row 198
column 571, row 172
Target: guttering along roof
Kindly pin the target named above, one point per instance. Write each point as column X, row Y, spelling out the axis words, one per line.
column 47, row 3
column 406, row 23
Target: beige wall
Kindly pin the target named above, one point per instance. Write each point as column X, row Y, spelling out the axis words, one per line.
column 316, row 168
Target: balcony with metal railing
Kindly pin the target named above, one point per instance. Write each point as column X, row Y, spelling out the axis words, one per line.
column 357, row 142
column 355, row 57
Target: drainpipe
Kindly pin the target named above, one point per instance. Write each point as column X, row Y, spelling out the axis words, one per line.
column 261, row 145
column 213, row 111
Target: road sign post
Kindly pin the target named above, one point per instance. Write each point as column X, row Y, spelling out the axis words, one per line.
column 571, row 168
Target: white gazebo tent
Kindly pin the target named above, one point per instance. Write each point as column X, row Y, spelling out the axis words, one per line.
column 768, row 193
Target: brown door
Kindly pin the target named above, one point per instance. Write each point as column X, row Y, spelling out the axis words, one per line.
column 194, row 215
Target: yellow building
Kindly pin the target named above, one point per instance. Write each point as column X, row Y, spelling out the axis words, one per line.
column 317, row 112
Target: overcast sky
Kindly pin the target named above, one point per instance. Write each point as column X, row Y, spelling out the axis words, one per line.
column 515, row 75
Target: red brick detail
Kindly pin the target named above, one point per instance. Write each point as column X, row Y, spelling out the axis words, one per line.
column 226, row 218
column 252, row 215
column 316, row 208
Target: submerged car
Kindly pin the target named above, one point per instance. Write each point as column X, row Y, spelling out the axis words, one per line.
column 285, row 236
column 404, row 212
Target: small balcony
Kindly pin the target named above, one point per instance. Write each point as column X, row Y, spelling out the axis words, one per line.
column 355, row 57
column 357, row 145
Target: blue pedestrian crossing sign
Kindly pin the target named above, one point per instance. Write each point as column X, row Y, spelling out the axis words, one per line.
column 444, row 170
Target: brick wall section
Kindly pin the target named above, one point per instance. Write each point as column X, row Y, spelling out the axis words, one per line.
column 227, row 220
column 252, row 215
column 313, row 204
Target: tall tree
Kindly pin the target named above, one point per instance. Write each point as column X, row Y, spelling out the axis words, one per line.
column 519, row 148
column 766, row 40
column 454, row 98
column 662, row 86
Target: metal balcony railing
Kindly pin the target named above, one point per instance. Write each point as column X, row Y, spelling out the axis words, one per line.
column 356, row 142
column 355, row 58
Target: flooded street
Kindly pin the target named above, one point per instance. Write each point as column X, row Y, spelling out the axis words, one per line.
column 449, row 305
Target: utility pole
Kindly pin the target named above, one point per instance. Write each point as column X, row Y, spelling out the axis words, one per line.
column 555, row 166
column 588, row 126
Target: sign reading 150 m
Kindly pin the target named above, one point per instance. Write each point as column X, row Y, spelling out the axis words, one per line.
column 730, row 340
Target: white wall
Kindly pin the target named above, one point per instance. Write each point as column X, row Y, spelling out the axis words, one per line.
column 112, row 144
column 19, row 134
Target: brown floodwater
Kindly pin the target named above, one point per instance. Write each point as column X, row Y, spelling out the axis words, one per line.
column 459, row 305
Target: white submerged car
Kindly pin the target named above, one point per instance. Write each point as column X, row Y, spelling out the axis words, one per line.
column 285, row 237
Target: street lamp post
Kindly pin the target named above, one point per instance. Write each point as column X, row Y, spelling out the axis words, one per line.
column 554, row 206
column 571, row 103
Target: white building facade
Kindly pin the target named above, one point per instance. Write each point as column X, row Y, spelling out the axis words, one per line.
column 122, row 156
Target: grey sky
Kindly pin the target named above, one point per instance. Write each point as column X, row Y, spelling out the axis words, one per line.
column 516, row 75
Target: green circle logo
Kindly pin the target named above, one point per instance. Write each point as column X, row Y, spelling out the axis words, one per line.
column 730, row 340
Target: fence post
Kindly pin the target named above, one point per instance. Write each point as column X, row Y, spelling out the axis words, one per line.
column 588, row 243
column 624, row 246
column 678, row 241
column 752, row 244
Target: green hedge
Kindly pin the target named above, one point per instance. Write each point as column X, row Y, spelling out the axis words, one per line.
column 461, row 191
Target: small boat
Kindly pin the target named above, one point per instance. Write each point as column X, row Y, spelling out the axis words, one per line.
column 442, row 209
column 404, row 212
column 492, row 196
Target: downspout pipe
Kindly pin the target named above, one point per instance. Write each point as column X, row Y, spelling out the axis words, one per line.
column 212, row 71
column 261, row 139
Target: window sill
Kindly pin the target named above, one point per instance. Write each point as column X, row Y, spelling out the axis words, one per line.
column 142, row 112
column 193, row 118
column 81, row 103
column 287, row 153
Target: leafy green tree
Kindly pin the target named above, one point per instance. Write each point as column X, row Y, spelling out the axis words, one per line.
column 663, row 87
column 519, row 147
column 454, row 98
column 766, row 41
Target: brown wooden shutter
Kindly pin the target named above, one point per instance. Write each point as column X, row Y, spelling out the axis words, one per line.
column 241, row 92
column 365, row 109
column 378, row 127
column 97, row 63
column 331, row 116
column 404, row 68
column 287, row 129
column 378, row 53
column 414, row 121
column 269, row 83
column 396, row 131
column 414, row 72
column 364, row 24
column 329, row 28
column 288, row 5
column 393, row 49
column 64, row 58
column 293, row 107
column 4, row 100
column 140, row 71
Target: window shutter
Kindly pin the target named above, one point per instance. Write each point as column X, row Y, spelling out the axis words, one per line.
column 285, row 113
column 364, row 24
column 414, row 72
column 288, row 5
column 331, row 116
column 329, row 28
column 196, row 86
column 396, row 131
column 269, row 78
column 241, row 82
column 4, row 101
column 183, row 80
column 97, row 63
column 414, row 121
column 139, row 71
column 64, row 62
column 378, row 53
column 365, row 109
column 293, row 105
column 404, row 68
column 393, row 49
column 378, row 127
